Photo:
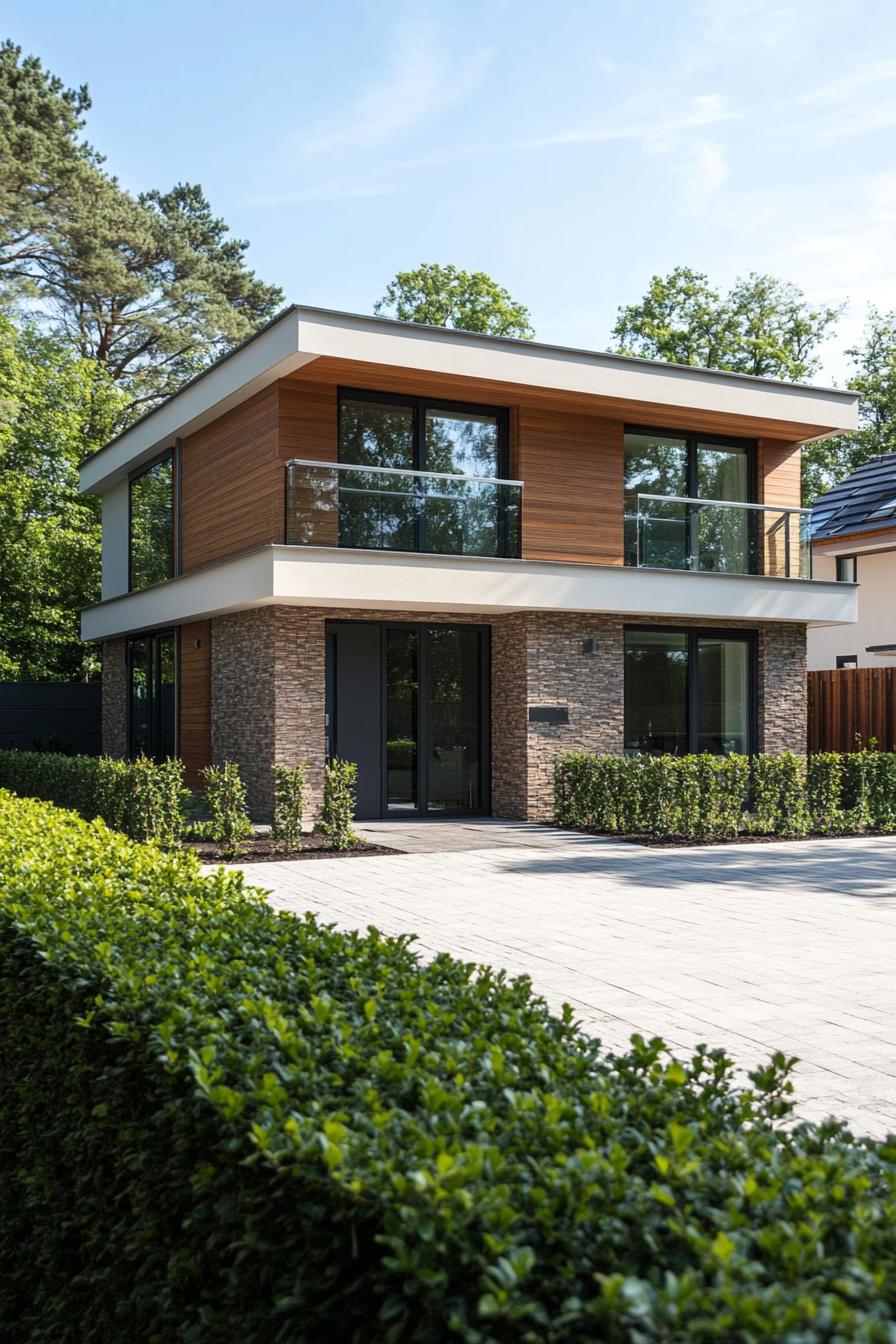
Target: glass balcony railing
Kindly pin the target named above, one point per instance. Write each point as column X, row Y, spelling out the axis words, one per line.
column 717, row 536
column 385, row 509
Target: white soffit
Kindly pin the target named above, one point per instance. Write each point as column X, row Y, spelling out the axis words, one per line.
column 301, row 335
column 370, row 580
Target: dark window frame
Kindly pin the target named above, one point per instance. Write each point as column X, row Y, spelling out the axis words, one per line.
column 153, row 637
column 693, row 438
column 846, row 660
column 692, row 707
column 844, row 559
column 173, row 455
column 419, row 406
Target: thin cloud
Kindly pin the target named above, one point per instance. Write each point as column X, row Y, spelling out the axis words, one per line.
column 650, row 125
column 328, row 191
column 422, row 79
column 877, row 72
column 705, row 171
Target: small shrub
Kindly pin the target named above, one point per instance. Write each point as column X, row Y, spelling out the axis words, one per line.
column 779, row 796
column 856, row 772
column 824, row 779
column 225, row 799
column 289, row 805
column 338, row 810
column 155, row 799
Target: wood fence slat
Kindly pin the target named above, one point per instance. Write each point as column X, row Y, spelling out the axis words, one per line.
column 850, row 707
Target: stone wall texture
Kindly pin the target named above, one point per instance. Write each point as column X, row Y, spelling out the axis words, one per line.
column 115, row 698
column 268, row 694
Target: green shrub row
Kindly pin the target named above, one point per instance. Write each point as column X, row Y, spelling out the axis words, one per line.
column 143, row 799
column 713, row 797
column 223, row 1123
column 146, row 799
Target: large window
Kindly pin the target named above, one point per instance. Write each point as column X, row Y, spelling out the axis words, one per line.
column 688, row 691
column 674, row 534
column 385, row 508
column 152, row 680
column 151, row 512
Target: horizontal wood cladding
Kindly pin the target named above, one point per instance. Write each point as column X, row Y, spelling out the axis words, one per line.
column 572, row 466
column 567, row 448
column 232, row 483
column 195, row 698
column 779, row 468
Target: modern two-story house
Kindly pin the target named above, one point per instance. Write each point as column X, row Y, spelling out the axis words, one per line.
column 448, row 557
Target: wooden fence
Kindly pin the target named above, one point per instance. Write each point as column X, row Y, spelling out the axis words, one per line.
column 849, row 707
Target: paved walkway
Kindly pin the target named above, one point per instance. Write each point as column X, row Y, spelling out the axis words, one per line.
column 751, row 947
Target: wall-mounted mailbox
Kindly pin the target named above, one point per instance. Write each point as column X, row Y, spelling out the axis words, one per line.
column 548, row 714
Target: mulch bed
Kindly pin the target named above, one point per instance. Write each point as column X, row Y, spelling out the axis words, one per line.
column 263, row 850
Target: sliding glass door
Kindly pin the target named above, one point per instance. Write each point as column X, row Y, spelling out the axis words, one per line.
column 689, row 691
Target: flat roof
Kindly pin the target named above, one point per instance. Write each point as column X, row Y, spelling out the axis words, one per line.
column 300, row 334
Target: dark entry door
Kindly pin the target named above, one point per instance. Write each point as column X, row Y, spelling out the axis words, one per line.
column 409, row 704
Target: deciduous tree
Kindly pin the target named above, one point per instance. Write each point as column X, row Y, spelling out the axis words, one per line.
column 443, row 296
column 762, row 326
column 53, row 406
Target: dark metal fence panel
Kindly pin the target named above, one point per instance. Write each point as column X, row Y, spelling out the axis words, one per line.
column 51, row 716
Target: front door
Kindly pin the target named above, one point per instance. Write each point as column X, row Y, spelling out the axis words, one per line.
column 408, row 703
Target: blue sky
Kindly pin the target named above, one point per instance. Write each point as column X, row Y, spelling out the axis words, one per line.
column 570, row 149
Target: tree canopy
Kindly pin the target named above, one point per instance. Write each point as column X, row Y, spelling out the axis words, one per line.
column 53, row 405
column 443, row 296
column 874, row 361
column 149, row 286
column 762, row 326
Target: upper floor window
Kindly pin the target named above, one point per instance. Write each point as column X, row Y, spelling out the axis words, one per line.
column 412, row 434
column 679, row 531
column 151, row 526
column 847, row 569
column 429, row 476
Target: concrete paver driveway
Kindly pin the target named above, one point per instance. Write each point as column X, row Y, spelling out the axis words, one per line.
column 754, row 948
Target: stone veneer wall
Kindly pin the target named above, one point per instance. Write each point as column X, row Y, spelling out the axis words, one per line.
column 244, row 693
column 783, row 708
column 268, row 694
column 115, row 698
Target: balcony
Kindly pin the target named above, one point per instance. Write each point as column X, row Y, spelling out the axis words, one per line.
column 716, row 536
column 386, row 509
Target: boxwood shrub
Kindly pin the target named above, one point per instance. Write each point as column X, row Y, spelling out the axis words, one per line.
column 219, row 1122
column 712, row 797
column 145, row 799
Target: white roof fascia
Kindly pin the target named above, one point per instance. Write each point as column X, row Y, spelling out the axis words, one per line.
column 301, row 335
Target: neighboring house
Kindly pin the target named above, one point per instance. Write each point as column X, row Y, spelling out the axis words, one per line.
column 854, row 540
column 448, row 557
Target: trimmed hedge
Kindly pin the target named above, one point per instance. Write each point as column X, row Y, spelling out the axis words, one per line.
column 143, row 799
column 714, row 797
column 219, row 1122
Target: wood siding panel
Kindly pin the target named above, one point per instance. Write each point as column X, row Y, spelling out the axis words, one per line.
column 232, row 483
column 851, row 706
column 779, row 469
column 572, row 466
column 195, row 699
